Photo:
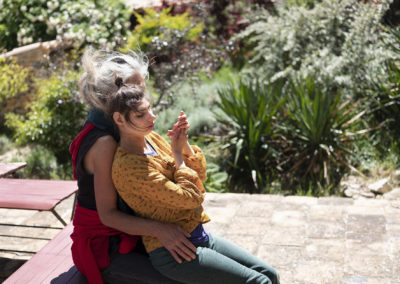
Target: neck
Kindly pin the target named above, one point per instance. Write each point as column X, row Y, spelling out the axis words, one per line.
column 133, row 144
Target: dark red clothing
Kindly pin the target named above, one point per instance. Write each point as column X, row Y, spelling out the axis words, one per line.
column 90, row 243
column 74, row 147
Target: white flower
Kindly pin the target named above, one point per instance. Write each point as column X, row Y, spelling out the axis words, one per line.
column 41, row 18
column 53, row 21
column 69, row 35
column 117, row 26
column 102, row 41
column 23, row 8
column 50, row 5
column 27, row 40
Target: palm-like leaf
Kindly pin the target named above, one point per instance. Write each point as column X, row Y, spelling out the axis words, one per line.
column 319, row 125
column 249, row 109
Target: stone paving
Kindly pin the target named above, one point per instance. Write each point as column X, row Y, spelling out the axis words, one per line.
column 308, row 240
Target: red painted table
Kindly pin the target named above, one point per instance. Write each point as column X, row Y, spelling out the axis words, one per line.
column 30, row 194
column 9, row 168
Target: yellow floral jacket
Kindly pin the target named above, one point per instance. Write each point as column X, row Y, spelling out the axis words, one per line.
column 155, row 189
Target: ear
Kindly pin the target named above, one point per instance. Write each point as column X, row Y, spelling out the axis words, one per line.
column 118, row 118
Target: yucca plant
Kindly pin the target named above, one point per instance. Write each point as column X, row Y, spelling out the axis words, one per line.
column 248, row 109
column 319, row 129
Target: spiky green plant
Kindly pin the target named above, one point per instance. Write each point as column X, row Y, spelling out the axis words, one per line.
column 249, row 110
column 320, row 128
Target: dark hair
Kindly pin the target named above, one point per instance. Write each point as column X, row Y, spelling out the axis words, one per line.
column 125, row 99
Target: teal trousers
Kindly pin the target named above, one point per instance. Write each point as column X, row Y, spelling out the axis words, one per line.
column 218, row 261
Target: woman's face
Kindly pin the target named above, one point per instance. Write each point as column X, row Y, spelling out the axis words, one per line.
column 142, row 120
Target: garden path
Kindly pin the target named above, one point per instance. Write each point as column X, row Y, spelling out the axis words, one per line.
column 309, row 240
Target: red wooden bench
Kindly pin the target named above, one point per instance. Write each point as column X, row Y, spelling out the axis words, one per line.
column 43, row 195
column 52, row 264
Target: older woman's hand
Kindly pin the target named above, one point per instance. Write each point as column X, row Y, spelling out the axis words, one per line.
column 175, row 240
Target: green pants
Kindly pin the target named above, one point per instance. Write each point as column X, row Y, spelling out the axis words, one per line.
column 218, row 261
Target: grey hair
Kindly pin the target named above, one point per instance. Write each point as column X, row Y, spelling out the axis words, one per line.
column 101, row 67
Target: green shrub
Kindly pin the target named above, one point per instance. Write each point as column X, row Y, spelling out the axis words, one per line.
column 13, row 79
column 100, row 22
column 5, row 144
column 305, row 3
column 41, row 164
column 216, row 179
column 338, row 41
column 319, row 131
column 15, row 86
column 249, row 110
column 198, row 100
column 54, row 118
column 385, row 102
column 161, row 25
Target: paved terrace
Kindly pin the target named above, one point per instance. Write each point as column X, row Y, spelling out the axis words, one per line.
column 308, row 240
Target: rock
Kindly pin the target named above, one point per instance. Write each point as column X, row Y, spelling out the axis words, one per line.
column 396, row 175
column 381, row 186
column 394, row 194
column 395, row 204
column 349, row 192
column 366, row 193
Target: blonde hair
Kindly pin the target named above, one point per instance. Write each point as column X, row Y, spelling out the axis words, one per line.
column 101, row 67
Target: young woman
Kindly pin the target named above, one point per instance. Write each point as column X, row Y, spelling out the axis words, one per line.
column 98, row 223
column 164, row 182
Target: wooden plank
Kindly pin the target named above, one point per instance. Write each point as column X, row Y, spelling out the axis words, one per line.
column 60, row 244
column 34, row 194
column 53, row 261
column 9, row 168
column 22, row 244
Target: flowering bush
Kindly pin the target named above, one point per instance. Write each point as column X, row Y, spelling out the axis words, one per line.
column 154, row 25
column 102, row 23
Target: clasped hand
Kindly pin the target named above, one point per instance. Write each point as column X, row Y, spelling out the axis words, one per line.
column 179, row 137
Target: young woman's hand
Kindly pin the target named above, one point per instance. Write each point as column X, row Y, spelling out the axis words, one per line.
column 178, row 140
column 182, row 125
column 182, row 122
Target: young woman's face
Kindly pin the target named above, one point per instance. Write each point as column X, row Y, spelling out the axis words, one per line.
column 142, row 120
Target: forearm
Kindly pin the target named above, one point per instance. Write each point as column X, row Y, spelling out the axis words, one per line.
column 178, row 157
column 187, row 150
column 130, row 224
